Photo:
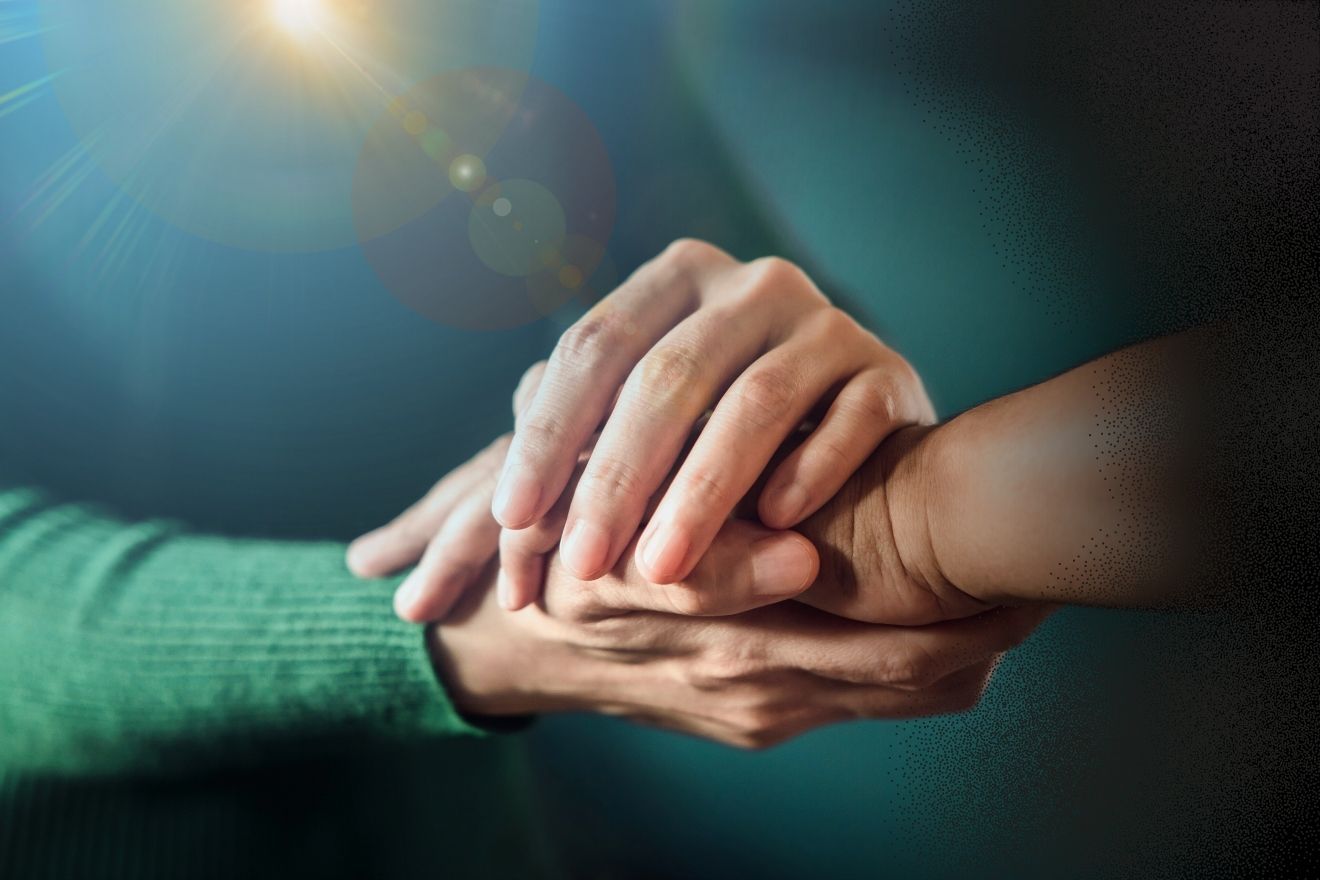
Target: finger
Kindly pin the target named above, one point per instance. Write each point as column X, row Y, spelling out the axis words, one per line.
column 957, row 692
column 585, row 370
column 523, row 553
column 747, row 567
column 527, row 385
column 454, row 560
column 751, row 421
column 664, row 397
column 523, row 559
column 905, row 657
column 402, row 541
column 873, row 405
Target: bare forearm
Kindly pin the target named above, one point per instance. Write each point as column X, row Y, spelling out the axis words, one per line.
column 1070, row 491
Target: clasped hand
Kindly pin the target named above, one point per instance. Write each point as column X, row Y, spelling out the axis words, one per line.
column 662, row 450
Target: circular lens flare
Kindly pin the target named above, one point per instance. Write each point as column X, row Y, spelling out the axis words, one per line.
column 300, row 18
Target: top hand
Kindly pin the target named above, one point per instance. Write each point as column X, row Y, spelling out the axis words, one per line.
column 686, row 327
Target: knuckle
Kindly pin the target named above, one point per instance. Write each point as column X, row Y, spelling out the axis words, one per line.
column 775, row 271
column 689, row 601
column 590, row 340
column 877, row 401
column 670, row 374
column 610, row 477
column 573, row 605
column 778, row 278
column 835, row 325
column 539, row 435
column 908, row 669
column 759, row 720
column 690, row 252
column 705, row 489
column 731, row 663
column 766, row 394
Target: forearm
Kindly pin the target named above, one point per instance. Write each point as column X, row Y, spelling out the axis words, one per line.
column 1069, row 491
column 137, row 644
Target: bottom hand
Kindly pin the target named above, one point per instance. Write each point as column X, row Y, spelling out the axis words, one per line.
column 751, row 680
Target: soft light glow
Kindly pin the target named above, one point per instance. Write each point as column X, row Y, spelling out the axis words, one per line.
column 301, row 18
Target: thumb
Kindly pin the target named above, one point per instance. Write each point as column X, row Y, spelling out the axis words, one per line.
column 746, row 567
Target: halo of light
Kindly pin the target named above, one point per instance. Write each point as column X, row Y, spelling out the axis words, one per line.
column 515, row 241
column 467, row 173
column 400, row 177
column 300, row 18
column 491, row 258
column 582, row 271
column 213, row 117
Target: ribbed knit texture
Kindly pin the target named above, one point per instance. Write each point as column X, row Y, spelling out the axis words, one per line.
column 174, row 705
column 128, row 646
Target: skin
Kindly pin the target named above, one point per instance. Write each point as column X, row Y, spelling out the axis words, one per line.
column 700, row 656
column 694, row 331
column 1060, row 492
column 755, row 344
column 749, row 679
column 1071, row 491
column 1064, row 492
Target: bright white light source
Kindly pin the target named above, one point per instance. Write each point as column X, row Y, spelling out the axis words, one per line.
column 301, row 18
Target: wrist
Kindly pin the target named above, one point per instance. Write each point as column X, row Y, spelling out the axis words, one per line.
column 496, row 663
column 961, row 511
column 914, row 475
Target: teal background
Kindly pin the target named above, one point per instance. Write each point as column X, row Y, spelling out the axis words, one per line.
column 163, row 364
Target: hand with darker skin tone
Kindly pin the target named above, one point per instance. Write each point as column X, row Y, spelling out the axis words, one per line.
column 1072, row 491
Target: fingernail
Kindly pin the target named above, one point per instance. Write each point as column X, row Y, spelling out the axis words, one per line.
column 585, row 548
column 789, row 502
column 663, row 552
column 515, row 500
column 406, row 596
column 781, row 566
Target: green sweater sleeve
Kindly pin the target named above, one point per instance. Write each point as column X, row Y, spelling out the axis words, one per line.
column 138, row 645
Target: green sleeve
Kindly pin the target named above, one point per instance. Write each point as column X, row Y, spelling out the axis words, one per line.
column 130, row 645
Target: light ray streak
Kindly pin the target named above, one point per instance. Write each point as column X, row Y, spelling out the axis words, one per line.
column 366, row 74
column 13, row 27
column 15, row 100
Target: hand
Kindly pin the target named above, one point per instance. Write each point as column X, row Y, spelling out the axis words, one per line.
column 878, row 560
column 685, row 326
column 751, row 679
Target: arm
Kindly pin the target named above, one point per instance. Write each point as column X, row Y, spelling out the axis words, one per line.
column 1069, row 491
column 139, row 644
